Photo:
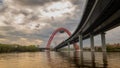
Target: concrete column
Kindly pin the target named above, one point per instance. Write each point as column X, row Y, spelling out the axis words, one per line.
column 104, row 48
column 92, row 42
column 81, row 42
column 103, row 42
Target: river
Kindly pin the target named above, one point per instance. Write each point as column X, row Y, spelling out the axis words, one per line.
column 59, row 60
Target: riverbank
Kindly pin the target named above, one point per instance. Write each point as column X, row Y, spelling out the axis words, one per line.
column 7, row 48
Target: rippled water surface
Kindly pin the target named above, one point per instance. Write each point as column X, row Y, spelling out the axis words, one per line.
column 59, row 60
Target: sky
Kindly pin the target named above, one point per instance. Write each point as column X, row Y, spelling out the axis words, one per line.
column 28, row 22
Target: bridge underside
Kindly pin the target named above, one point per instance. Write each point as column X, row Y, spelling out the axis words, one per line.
column 99, row 17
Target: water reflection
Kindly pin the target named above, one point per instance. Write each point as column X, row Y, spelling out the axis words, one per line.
column 76, row 60
column 48, row 56
column 93, row 59
column 71, row 59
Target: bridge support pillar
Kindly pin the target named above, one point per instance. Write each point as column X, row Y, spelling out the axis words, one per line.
column 92, row 42
column 81, row 42
column 104, row 47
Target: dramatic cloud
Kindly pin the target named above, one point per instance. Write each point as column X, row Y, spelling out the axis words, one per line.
column 34, row 2
column 33, row 21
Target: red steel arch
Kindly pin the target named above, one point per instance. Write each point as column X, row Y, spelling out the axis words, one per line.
column 58, row 30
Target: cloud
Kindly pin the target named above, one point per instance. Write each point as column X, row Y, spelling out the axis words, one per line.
column 33, row 21
column 2, row 40
column 27, row 41
column 113, row 36
column 2, row 36
column 34, row 2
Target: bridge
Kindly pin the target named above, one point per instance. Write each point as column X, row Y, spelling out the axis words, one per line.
column 61, row 30
column 99, row 16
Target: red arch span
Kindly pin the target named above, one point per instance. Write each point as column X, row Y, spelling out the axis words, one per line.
column 58, row 30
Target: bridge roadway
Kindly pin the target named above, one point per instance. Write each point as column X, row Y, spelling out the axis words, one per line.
column 99, row 16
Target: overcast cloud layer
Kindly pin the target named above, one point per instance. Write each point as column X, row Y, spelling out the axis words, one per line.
column 27, row 22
